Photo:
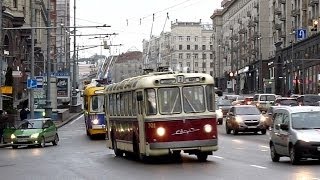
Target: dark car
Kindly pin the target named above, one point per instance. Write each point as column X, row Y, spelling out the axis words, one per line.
column 224, row 105
column 245, row 118
column 309, row 100
column 286, row 101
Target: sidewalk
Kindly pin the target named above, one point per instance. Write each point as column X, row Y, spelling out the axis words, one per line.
column 59, row 124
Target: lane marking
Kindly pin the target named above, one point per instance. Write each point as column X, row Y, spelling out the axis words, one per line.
column 260, row 167
column 76, row 119
column 218, row 157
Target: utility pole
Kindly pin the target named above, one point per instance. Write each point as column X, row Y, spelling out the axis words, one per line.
column 237, row 76
column 260, row 85
column 74, row 79
column 1, row 53
column 48, row 108
column 31, row 100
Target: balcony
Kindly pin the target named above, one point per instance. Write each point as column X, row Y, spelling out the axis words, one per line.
column 277, row 11
column 278, row 26
column 242, row 31
column 248, row 14
column 251, row 24
column 295, row 12
column 313, row 2
column 282, row 34
column 282, row 1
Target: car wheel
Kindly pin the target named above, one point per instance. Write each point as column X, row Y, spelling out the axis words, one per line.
column 235, row 132
column 42, row 142
column 274, row 155
column 294, row 156
column 263, row 131
column 228, row 131
column 14, row 147
column 56, row 140
column 202, row 157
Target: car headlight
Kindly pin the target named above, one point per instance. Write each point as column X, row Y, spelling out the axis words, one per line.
column 161, row 131
column 207, row 128
column 258, row 104
column 263, row 119
column 95, row 121
column 13, row 136
column 239, row 119
column 35, row 135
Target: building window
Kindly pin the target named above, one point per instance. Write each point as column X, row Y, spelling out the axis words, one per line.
column 188, row 55
column 211, row 65
column 180, row 47
column 204, row 64
column 188, row 47
column 180, row 38
column 196, row 38
column 15, row 3
column 188, row 38
column 211, row 56
column 211, row 73
column 180, row 64
column 204, row 56
column 211, row 47
column 204, row 39
column 188, row 64
column 180, row 55
column 203, row 47
column 196, row 71
column 203, row 71
column 195, row 47
column 195, row 56
column 196, row 64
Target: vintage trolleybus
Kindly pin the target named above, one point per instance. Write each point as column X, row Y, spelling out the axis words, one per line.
column 162, row 114
column 94, row 115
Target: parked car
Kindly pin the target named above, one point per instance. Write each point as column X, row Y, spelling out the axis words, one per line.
column 309, row 100
column 246, row 118
column 32, row 132
column 295, row 133
column 225, row 106
column 263, row 101
column 286, row 101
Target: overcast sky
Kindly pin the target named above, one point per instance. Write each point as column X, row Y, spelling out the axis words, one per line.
column 124, row 18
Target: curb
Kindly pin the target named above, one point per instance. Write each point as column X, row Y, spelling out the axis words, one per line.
column 69, row 119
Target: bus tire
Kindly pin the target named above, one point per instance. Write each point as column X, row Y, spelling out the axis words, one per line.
column 116, row 151
column 202, row 156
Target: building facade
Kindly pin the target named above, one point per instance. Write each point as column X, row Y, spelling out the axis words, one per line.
column 242, row 43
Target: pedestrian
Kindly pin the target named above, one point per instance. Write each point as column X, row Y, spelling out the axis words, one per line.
column 24, row 113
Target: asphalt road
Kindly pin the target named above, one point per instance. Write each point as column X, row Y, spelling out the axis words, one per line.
column 78, row 157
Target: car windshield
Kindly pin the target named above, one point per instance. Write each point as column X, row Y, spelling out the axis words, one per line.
column 289, row 102
column 247, row 111
column 224, row 103
column 267, row 97
column 306, row 120
column 31, row 125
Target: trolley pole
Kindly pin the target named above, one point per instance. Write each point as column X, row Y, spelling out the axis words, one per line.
column 1, row 59
column 74, row 99
column 48, row 108
column 31, row 100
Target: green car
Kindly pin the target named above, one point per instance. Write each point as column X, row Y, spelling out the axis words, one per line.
column 32, row 132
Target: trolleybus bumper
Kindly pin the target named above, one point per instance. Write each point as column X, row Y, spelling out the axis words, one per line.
column 163, row 148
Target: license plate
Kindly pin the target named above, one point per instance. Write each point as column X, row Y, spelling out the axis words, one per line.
column 252, row 127
column 22, row 140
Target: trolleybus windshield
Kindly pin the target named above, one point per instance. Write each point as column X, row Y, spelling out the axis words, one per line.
column 193, row 99
column 97, row 103
column 169, row 100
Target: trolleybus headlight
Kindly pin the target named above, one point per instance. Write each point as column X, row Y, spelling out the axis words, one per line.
column 207, row 128
column 95, row 121
column 161, row 131
column 13, row 136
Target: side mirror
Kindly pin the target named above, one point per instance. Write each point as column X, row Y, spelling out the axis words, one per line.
column 139, row 96
column 284, row 127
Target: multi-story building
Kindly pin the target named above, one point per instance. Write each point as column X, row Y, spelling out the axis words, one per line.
column 296, row 64
column 126, row 65
column 188, row 46
column 242, row 43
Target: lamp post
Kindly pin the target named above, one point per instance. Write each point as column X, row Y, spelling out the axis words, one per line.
column 260, row 80
column 219, row 64
column 237, row 71
column 291, row 64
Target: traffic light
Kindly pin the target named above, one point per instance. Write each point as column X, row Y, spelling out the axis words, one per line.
column 314, row 25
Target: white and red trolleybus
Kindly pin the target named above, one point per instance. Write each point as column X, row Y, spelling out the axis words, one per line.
column 162, row 113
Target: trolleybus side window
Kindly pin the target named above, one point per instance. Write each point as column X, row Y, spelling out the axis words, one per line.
column 151, row 102
column 114, row 112
column 118, row 104
column 193, row 99
column 169, row 100
column 86, row 103
column 130, row 103
column 134, row 104
column 210, row 100
column 110, row 104
column 122, row 107
column 97, row 103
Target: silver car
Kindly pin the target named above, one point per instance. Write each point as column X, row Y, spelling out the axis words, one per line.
column 295, row 133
